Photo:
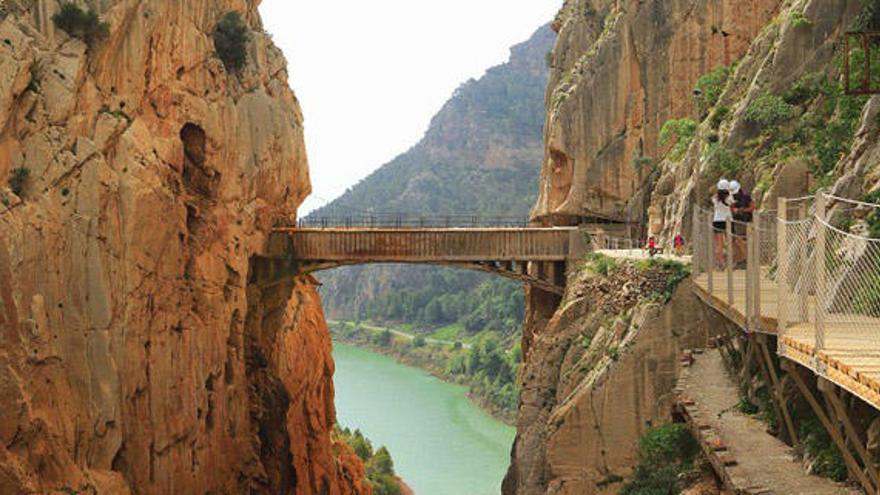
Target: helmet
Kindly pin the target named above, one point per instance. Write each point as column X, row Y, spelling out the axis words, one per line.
column 734, row 187
column 723, row 185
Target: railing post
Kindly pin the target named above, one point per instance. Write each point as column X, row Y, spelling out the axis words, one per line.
column 750, row 290
column 756, row 274
column 710, row 252
column 728, row 241
column 695, row 232
column 781, row 270
column 802, row 261
column 821, row 273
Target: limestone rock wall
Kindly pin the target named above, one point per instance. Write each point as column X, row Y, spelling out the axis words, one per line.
column 621, row 68
column 781, row 56
column 598, row 375
column 135, row 355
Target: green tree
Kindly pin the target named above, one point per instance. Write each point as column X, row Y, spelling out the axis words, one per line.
column 230, row 41
column 79, row 23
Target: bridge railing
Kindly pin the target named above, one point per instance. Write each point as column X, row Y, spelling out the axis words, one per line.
column 403, row 221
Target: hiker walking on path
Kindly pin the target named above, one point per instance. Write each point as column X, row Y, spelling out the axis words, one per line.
column 721, row 202
column 743, row 209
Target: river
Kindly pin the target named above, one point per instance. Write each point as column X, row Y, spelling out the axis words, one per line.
column 442, row 444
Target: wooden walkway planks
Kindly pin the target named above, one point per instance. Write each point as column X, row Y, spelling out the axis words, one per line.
column 851, row 358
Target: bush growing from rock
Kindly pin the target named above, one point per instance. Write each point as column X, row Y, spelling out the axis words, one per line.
column 18, row 179
column 230, row 41
column 769, row 110
column 665, row 452
column 681, row 131
column 723, row 161
column 79, row 23
column 709, row 88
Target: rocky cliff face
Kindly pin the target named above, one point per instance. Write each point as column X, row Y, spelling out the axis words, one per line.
column 136, row 355
column 598, row 374
column 621, row 68
column 777, row 120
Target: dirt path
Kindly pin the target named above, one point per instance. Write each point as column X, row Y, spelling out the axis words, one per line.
column 763, row 464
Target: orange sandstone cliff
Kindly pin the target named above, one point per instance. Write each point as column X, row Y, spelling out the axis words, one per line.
column 135, row 354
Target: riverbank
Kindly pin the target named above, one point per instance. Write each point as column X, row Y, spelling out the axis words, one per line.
column 488, row 372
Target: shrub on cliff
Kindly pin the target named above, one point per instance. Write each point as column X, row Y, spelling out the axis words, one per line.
column 679, row 131
column 79, row 23
column 665, row 452
column 769, row 110
column 722, row 160
column 18, row 179
column 230, row 41
column 709, row 88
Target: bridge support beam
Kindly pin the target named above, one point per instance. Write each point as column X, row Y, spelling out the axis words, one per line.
column 852, row 465
column 770, row 375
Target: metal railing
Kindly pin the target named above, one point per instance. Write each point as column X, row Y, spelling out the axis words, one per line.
column 821, row 273
column 400, row 221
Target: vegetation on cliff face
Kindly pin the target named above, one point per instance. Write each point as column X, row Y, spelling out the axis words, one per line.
column 378, row 463
column 230, row 41
column 666, row 454
column 79, row 23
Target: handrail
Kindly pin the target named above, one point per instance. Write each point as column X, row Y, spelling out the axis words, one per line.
column 826, row 277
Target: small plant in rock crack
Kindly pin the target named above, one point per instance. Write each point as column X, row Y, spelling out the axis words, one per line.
column 18, row 179
column 586, row 341
column 614, row 352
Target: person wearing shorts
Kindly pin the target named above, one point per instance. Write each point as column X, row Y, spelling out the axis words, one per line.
column 721, row 203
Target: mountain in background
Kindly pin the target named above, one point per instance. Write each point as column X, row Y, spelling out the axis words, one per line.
column 480, row 155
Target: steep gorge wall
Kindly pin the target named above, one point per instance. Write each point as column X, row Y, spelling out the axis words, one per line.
column 598, row 375
column 621, row 68
column 135, row 355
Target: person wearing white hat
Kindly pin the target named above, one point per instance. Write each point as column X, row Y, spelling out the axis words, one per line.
column 721, row 202
column 743, row 207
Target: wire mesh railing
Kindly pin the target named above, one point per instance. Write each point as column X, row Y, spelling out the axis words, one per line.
column 817, row 276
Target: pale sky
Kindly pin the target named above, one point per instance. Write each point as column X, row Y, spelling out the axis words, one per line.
column 370, row 75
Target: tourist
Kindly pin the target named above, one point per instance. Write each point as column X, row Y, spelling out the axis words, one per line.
column 721, row 201
column 678, row 244
column 743, row 208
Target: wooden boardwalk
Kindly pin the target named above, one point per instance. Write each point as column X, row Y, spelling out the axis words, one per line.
column 850, row 357
column 536, row 256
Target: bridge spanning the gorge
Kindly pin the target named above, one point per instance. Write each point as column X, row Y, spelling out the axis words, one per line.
column 799, row 315
column 533, row 255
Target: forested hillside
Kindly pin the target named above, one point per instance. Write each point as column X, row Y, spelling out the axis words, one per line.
column 480, row 155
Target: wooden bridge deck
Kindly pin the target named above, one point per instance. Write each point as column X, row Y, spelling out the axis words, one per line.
column 850, row 357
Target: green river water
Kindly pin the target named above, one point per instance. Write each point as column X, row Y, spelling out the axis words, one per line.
column 442, row 444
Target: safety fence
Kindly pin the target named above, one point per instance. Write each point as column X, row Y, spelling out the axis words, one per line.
column 812, row 265
column 403, row 221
